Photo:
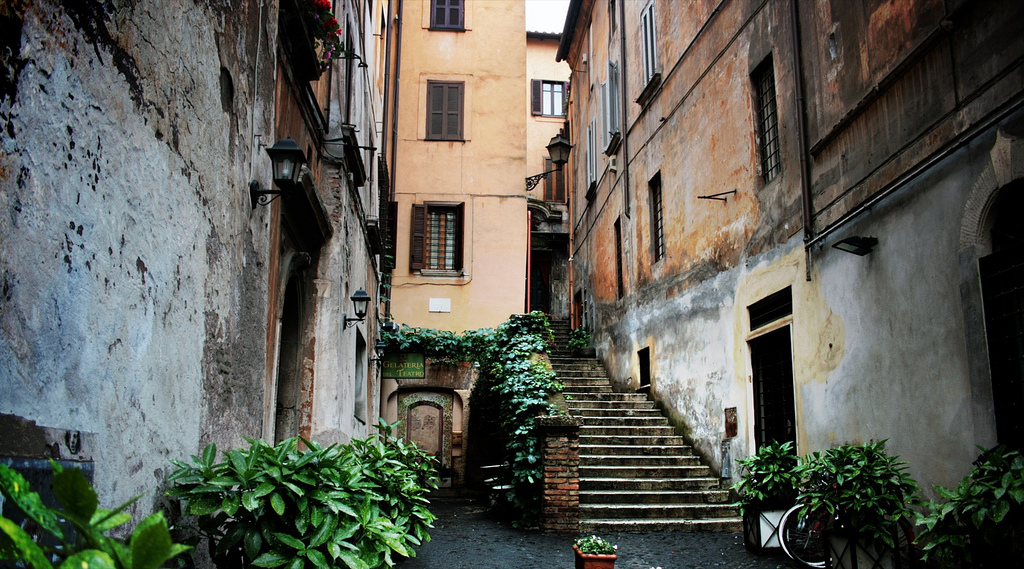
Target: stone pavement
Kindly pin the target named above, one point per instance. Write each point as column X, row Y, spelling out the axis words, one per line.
column 466, row 537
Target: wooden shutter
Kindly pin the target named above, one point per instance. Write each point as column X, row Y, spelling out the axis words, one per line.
column 418, row 241
column 453, row 111
column 460, row 224
column 537, row 101
column 444, row 110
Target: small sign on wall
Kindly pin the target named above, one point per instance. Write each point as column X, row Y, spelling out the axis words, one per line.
column 440, row 305
column 731, row 423
column 403, row 366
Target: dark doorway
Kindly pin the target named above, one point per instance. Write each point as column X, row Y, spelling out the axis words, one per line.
column 540, row 281
column 1002, row 283
column 286, row 422
column 771, row 358
column 644, row 357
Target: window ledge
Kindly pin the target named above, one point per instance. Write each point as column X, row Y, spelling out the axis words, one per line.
column 440, row 273
column 650, row 89
column 591, row 192
column 613, row 144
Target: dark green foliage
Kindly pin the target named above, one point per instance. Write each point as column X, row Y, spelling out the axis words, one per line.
column 514, row 386
column 148, row 547
column 770, row 479
column 349, row 505
column 981, row 523
column 441, row 346
column 578, row 338
column 863, row 487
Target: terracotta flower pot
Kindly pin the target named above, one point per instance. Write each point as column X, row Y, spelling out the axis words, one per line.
column 593, row 561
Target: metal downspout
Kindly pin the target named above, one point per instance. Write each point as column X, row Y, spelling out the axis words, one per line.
column 623, row 107
column 805, row 172
column 394, row 111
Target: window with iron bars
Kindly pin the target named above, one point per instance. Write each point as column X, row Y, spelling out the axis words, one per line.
column 767, row 122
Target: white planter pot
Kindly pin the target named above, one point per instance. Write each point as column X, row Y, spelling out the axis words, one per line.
column 761, row 529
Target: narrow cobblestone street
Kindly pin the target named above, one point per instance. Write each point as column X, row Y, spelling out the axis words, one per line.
column 465, row 537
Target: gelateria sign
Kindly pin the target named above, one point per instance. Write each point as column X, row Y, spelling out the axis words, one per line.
column 403, row 366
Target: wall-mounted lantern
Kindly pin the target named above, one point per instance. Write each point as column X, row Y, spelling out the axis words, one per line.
column 287, row 159
column 558, row 151
column 857, row 245
column 360, row 302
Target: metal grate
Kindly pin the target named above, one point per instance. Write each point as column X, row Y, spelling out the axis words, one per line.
column 771, row 359
column 771, row 308
column 441, row 250
column 768, row 122
column 657, row 221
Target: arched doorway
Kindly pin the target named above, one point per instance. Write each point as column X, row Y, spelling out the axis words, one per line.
column 1002, row 283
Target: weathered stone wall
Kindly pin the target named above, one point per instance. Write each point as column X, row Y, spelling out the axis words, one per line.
column 886, row 346
column 134, row 294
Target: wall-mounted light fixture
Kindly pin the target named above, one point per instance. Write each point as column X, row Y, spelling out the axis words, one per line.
column 360, row 301
column 857, row 245
column 558, row 151
column 286, row 158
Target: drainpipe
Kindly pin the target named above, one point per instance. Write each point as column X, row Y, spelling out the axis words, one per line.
column 394, row 112
column 623, row 106
column 801, row 132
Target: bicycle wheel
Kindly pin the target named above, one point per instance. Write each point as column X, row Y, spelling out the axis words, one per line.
column 905, row 556
column 800, row 536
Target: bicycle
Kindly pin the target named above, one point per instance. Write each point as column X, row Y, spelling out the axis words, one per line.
column 801, row 535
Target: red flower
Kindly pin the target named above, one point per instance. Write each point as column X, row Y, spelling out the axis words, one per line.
column 323, row 4
column 331, row 24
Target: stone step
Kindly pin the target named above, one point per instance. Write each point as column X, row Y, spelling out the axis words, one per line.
column 644, row 472
column 622, row 432
column 626, row 420
column 606, row 396
column 719, row 525
column 584, row 404
column 648, row 484
column 582, row 378
column 595, row 412
column 598, row 512
column 638, row 440
column 631, row 450
column 635, row 473
column 633, row 460
column 656, row 496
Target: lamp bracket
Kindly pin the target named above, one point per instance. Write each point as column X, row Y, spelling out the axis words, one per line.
column 349, row 322
column 719, row 196
column 258, row 196
column 532, row 181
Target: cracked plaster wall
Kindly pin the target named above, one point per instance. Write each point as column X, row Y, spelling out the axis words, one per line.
column 134, row 299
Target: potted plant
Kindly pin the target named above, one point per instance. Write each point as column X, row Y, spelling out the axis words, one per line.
column 981, row 523
column 768, row 488
column 593, row 552
column 579, row 342
column 868, row 493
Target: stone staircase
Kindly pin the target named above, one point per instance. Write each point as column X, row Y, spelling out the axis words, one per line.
column 635, row 473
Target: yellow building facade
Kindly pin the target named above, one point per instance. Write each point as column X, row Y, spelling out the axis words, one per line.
column 460, row 159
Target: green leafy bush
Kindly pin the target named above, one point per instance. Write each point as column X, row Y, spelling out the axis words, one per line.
column 78, row 528
column 863, row 487
column 515, row 387
column 770, row 479
column 578, row 338
column 349, row 505
column 981, row 522
column 441, row 346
